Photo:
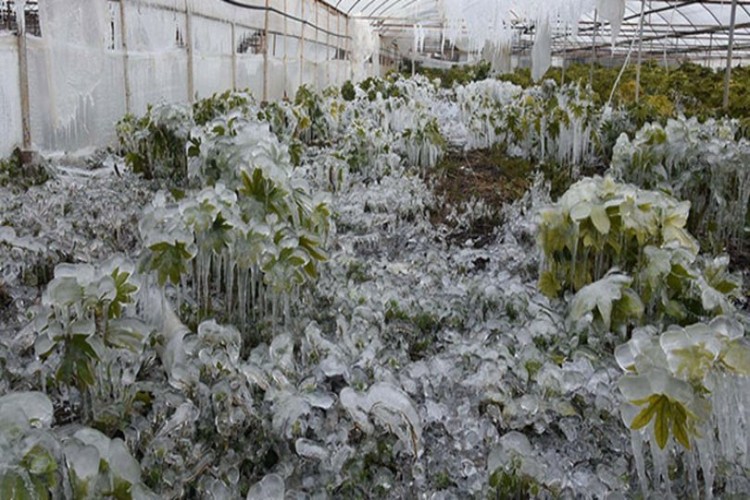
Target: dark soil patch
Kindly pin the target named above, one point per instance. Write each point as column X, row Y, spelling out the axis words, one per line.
column 487, row 174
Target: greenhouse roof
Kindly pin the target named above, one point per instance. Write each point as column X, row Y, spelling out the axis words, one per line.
column 688, row 28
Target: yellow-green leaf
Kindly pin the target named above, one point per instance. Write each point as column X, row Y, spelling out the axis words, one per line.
column 644, row 417
column 548, row 284
column 679, row 425
column 661, row 424
column 600, row 219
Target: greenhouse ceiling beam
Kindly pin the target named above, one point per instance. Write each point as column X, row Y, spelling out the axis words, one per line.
column 657, row 10
column 676, row 9
column 408, row 3
column 285, row 15
column 628, row 31
column 676, row 35
column 658, row 53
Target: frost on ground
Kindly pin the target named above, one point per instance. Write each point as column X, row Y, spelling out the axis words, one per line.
column 415, row 364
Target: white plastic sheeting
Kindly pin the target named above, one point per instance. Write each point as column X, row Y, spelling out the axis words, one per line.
column 364, row 45
column 78, row 67
column 75, row 84
column 10, row 95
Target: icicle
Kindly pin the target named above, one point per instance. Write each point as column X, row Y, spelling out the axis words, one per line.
column 229, row 266
column 216, row 270
column 243, row 277
column 204, row 268
column 541, row 53
column 660, row 458
column 287, row 309
column 614, row 12
column 692, row 474
column 707, row 459
column 636, row 441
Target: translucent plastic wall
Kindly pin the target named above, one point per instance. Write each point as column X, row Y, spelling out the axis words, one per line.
column 99, row 59
column 10, row 95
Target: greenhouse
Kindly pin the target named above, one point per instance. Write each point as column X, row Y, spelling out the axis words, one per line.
column 359, row 249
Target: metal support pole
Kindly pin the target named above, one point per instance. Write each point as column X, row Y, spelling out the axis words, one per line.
column 265, row 55
column 347, row 55
column 23, row 72
column 125, row 58
column 317, row 40
column 593, row 48
column 190, row 61
column 640, row 53
column 564, row 52
column 328, row 47
column 286, row 48
column 234, row 56
column 302, row 45
column 730, row 51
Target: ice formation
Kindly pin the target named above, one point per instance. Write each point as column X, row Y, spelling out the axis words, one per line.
column 365, row 44
column 612, row 11
column 419, row 361
column 541, row 55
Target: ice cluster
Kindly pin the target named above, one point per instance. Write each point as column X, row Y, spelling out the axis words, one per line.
column 405, row 364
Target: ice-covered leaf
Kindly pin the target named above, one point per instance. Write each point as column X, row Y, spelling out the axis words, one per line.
column 271, row 487
column 121, row 462
column 600, row 219
column 36, row 407
column 390, row 407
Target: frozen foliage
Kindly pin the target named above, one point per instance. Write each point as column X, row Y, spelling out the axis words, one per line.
column 701, row 162
column 473, row 24
column 545, row 123
column 83, row 463
column 687, row 391
column 209, row 360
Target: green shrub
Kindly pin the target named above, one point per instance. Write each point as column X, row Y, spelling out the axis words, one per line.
column 154, row 145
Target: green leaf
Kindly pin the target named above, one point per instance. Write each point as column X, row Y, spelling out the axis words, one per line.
column 123, row 293
column 661, row 424
column 13, row 486
column 169, row 261
column 39, row 461
column 644, row 417
column 679, row 424
column 76, row 364
column 548, row 284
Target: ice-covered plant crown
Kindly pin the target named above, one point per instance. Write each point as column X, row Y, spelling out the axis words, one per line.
column 154, row 144
column 86, row 318
column 690, row 384
column 37, row 459
column 676, row 383
column 700, row 162
column 599, row 224
column 257, row 228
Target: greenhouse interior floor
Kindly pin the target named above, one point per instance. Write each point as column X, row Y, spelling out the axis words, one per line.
column 389, row 290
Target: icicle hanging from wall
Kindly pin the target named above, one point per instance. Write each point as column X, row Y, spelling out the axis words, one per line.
column 612, row 11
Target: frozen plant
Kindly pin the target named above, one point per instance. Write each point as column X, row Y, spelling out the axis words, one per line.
column 702, row 162
column 599, row 224
column 690, row 384
column 255, row 235
column 154, row 144
column 40, row 461
column 86, row 326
